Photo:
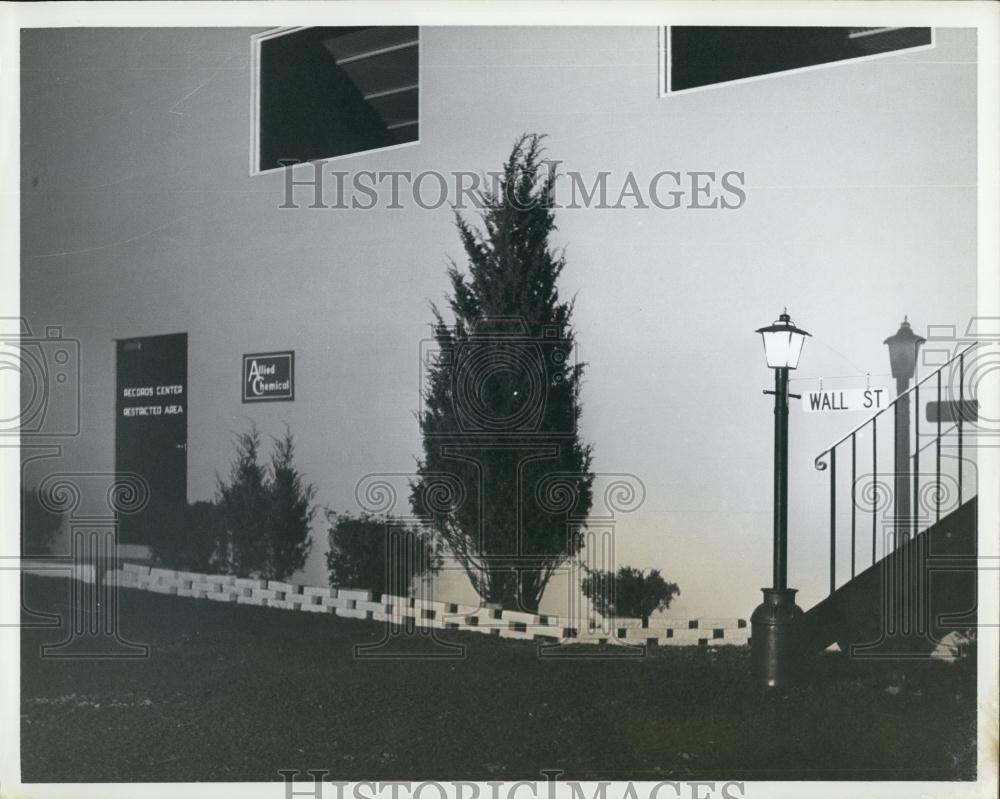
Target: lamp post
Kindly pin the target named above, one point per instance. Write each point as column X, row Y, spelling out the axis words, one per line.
column 903, row 348
column 773, row 622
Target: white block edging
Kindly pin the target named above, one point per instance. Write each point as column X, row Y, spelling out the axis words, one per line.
column 354, row 603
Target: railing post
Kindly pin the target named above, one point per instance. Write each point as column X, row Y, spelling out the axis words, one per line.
column 916, row 445
column 875, row 493
column 854, row 503
column 961, row 417
column 833, row 520
column 937, row 460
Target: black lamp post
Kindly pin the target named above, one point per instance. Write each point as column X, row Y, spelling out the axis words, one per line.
column 903, row 348
column 773, row 622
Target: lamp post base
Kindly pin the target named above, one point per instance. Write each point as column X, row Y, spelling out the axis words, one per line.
column 774, row 637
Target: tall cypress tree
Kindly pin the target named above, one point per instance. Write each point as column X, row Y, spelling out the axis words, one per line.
column 504, row 476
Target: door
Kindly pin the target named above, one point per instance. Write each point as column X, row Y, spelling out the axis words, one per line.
column 151, row 430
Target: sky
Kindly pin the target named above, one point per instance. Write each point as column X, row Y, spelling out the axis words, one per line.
column 140, row 217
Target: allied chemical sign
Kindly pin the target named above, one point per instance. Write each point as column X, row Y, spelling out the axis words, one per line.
column 269, row 376
column 833, row 401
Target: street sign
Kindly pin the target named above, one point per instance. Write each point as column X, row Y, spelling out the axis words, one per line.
column 838, row 401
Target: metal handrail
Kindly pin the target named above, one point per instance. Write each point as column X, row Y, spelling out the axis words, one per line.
column 827, row 459
column 914, row 387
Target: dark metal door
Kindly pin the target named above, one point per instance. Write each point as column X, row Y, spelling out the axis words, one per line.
column 151, row 429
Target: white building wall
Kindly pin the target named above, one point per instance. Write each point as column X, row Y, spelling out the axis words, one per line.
column 140, row 217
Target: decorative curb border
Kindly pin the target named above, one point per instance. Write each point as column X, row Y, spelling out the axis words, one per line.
column 353, row 603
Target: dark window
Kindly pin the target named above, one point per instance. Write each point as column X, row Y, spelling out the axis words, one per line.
column 700, row 56
column 327, row 92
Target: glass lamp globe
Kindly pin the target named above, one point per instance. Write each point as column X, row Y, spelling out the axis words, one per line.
column 783, row 343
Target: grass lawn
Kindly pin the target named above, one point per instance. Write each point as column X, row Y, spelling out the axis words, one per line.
column 236, row 693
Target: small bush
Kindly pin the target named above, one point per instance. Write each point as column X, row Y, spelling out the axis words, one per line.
column 291, row 512
column 259, row 525
column 266, row 511
column 39, row 524
column 245, row 507
column 188, row 539
column 359, row 557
